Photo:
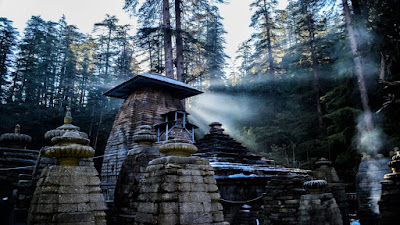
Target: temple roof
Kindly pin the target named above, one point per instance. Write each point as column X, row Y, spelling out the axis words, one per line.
column 155, row 81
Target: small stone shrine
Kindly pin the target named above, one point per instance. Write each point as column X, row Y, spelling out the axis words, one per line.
column 146, row 97
column 317, row 207
column 368, row 187
column 281, row 200
column 67, row 193
column 46, row 161
column 177, row 188
column 15, row 159
column 389, row 204
column 133, row 168
column 16, row 139
column 327, row 172
column 16, row 165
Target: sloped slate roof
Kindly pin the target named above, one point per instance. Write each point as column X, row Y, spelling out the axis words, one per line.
column 155, row 81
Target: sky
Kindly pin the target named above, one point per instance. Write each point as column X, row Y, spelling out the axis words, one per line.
column 85, row 13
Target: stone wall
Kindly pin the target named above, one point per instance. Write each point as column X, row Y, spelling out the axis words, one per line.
column 281, row 199
column 143, row 107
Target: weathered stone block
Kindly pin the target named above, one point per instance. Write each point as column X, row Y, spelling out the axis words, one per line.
column 209, row 180
column 216, row 206
column 183, row 187
column 168, row 219
column 185, row 179
column 215, row 196
column 169, row 207
column 73, row 198
column 218, row 217
column 73, row 217
column 96, row 197
column 169, row 197
column 65, row 208
column 190, row 207
column 195, row 218
column 148, row 207
column 212, row 188
column 169, row 187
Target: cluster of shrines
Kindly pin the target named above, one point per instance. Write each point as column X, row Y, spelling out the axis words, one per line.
column 154, row 172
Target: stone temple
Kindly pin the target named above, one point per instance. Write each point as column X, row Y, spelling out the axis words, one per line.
column 147, row 96
column 156, row 172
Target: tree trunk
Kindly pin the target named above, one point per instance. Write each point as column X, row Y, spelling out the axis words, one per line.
column 108, row 54
column 169, row 69
column 269, row 45
column 179, row 42
column 358, row 65
column 382, row 72
column 315, row 65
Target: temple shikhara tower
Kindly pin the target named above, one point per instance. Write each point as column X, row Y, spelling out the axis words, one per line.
column 147, row 97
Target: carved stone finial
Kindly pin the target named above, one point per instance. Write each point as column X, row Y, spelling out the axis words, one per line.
column 216, row 127
column 323, row 162
column 17, row 129
column 144, row 135
column 68, row 117
column 69, row 148
column 315, row 186
column 395, row 165
column 67, row 126
column 178, row 148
